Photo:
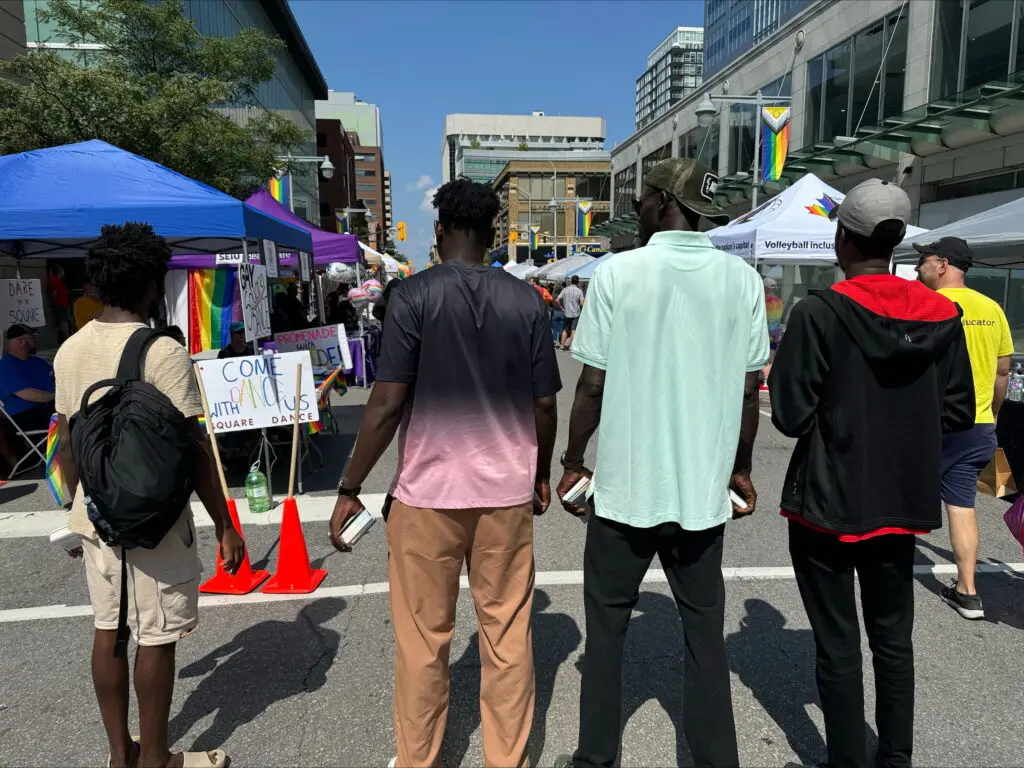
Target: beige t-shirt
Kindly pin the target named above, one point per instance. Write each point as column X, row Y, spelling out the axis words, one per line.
column 93, row 354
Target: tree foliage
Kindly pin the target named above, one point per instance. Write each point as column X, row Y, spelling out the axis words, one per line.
column 158, row 89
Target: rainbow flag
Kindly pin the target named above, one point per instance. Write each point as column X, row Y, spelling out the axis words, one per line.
column 54, row 474
column 823, row 206
column 584, row 213
column 279, row 188
column 213, row 303
column 534, row 231
column 774, row 141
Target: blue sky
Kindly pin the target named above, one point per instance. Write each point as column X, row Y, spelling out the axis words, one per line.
column 421, row 60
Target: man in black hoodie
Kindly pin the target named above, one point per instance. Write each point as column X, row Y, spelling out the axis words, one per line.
column 869, row 376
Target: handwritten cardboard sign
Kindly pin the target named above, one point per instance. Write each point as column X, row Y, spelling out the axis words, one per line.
column 258, row 391
column 268, row 250
column 328, row 346
column 21, row 301
column 252, row 280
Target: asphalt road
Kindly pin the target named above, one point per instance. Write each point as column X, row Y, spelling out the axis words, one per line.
column 308, row 681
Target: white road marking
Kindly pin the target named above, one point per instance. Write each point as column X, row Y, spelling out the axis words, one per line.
column 312, row 509
column 543, row 579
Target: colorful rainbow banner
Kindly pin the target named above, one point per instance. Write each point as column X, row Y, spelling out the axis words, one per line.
column 279, row 188
column 54, row 474
column 774, row 141
column 212, row 307
column 583, row 217
column 823, row 206
column 534, row 231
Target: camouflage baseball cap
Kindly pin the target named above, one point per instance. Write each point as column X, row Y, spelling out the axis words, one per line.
column 689, row 182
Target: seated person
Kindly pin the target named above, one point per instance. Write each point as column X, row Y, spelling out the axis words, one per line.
column 238, row 346
column 26, row 381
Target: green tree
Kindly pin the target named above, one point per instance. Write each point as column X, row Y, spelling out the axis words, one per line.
column 159, row 89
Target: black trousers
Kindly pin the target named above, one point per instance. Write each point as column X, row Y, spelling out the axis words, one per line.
column 884, row 565
column 614, row 563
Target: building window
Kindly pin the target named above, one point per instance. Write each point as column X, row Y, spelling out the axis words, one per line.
column 662, row 153
column 365, row 172
column 975, row 41
column 366, row 187
column 364, row 158
column 625, row 190
column 842, row 91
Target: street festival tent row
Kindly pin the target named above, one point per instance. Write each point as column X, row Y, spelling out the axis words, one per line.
column 791, row 228
column 204, row 300
column 557, row 270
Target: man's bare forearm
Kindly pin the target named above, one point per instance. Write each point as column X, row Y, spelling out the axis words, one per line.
column 586, row 413
column 545, row 417
column 33, row 395
column 380, row 422
column 748, row 425
column 999, row 394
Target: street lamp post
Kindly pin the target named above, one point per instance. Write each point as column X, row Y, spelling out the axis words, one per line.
column 706, row 112
column 325, row 165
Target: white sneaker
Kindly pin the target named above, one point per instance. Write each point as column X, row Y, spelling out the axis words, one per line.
column 394, row 762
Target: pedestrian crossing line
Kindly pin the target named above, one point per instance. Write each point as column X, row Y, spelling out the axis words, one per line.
column 543, row 579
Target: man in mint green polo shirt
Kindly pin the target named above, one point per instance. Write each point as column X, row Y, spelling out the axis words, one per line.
column 672, row 337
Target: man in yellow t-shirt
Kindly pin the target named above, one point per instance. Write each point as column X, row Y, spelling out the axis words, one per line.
column 942, row 267
column 86, row 307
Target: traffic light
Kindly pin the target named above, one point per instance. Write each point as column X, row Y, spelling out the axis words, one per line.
column 401, row 231
column 513, row 236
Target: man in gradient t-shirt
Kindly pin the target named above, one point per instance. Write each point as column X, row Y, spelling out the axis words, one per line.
column 468, row 368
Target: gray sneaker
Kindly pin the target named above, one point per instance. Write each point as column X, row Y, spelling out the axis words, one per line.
column 968, row 606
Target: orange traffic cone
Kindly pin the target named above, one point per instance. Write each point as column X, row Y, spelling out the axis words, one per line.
column 294, row 574
column 245, row 580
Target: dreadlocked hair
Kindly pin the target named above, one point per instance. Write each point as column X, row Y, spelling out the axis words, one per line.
column 123, row 261
column 464, row 205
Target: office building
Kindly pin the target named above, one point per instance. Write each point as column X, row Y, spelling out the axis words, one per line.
column 674, row 69
column 355, row 114
column 370, row 187
column 479, row 146
column 527, row 187
column 732, row 27
column 339, row 192
column 928, row 95
column 292, row 91
column 389, row 217
column 12, row 30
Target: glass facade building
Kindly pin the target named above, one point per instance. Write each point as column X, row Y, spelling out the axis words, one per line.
column 732, row 27
column 674, row 69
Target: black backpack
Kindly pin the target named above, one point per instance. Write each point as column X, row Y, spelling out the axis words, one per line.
column 135, row 457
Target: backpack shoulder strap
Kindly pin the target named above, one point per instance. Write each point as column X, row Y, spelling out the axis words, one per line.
column 130, row 367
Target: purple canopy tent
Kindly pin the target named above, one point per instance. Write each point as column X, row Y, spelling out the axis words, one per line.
column 327, row 246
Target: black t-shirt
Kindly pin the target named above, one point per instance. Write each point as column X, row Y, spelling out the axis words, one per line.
column 475, row 345
column 229, row 351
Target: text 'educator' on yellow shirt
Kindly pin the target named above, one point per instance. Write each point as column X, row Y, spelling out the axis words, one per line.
column 988, row 339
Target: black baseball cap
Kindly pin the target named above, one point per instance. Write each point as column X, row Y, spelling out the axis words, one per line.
column 953, row 249
column 18, row 330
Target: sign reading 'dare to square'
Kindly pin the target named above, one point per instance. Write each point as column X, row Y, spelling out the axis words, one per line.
column 21, row 301
column 328, row 346
column 258, row 391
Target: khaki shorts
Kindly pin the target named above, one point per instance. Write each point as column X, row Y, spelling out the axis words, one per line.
column 163, row 586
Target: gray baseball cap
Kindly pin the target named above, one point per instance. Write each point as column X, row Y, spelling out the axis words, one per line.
column 869, row 204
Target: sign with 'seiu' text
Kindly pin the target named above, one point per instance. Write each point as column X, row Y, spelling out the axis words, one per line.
column 21, row 301
column 328, row 346
column 258, row 391
column 228, row 259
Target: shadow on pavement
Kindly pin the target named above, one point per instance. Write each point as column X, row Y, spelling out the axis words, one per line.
column 11, row 492
column 777, row 665
column 264, row 664
column 556, row 636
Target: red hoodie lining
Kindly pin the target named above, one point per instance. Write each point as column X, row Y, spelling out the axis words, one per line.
column 853, row 538
column 897, row 298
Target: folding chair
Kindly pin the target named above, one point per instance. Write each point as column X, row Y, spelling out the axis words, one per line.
column 35, row 438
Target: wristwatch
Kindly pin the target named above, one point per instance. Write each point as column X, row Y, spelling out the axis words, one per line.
column 570, row 465
column 350, row 492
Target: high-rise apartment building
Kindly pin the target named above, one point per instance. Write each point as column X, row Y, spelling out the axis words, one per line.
column 732, row 27
column 674, row 69
column 479, row 146
column 12, row 30
column 389, row 216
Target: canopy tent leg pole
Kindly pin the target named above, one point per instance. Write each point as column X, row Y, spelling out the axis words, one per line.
column 266, row 463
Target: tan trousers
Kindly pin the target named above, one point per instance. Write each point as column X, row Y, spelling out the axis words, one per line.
column 426, row 549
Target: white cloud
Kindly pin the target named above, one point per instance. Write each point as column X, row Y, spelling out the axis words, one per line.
column 424, row 182
column 427, row 203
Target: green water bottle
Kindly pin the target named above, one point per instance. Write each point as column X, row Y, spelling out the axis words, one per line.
column 257, row 490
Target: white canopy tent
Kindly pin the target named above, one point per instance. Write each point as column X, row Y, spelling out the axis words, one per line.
column 791, row 228
column 996, row 236
column 519, row 270
column 557, row 270
column 373, row 258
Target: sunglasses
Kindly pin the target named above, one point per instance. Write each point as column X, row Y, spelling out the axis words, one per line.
column 638, row 202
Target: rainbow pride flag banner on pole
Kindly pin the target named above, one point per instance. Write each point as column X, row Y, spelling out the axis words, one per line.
column 584, row 213
column 54, row 474
column 774, row 141
column 279, row 188
column 534, row 232
column 212, row 307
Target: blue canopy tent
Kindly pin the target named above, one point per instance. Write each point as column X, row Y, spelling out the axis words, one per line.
column 54, row 201
column 587, row 270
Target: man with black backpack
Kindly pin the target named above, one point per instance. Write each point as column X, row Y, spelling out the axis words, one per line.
column 132, row 452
